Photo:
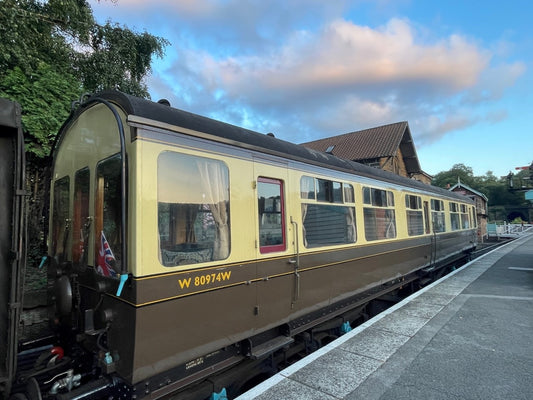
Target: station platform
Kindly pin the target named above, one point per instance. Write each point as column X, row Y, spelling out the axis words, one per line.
column 468, row 335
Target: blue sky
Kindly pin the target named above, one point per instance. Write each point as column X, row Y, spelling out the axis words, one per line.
column 460, row 72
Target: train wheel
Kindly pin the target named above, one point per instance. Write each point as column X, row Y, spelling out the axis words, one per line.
column 33, row 390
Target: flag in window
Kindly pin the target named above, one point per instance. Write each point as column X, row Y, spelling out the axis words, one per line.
column 106, row 259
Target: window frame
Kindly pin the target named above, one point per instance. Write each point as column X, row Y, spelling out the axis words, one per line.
column 210, row 200
column 465, row 216
column 455, row 219
column 339, row 195
column 61, row 218
column 379, row 201
column 81, row 220
column 100, row 196
column 438, row 212
column 265, row 249
column 413, row 209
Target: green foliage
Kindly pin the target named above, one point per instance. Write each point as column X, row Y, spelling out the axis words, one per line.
column 459, row 172
column 118, row 58
column 53, row 51
column 45, row 97
column 34, row 32
column 500, row 198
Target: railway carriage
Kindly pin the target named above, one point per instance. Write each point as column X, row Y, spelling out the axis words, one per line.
column 181, row 246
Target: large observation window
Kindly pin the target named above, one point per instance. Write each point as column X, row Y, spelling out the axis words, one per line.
column 193, row 209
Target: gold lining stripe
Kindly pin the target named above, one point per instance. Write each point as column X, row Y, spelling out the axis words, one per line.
column 262, row 260
column 248, row 282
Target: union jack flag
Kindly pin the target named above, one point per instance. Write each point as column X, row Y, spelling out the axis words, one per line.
column 106, row 259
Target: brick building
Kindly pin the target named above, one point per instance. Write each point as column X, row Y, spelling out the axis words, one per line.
column 389, row 147
column 481, row 206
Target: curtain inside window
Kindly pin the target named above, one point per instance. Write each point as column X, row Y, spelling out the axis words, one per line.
column 214, row 182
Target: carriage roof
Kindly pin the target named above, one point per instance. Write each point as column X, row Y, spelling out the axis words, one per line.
column 241, row 137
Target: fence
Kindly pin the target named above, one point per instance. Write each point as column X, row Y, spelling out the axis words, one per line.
column 506, row 229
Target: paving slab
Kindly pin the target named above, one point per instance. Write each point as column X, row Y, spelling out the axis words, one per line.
column 467, row 336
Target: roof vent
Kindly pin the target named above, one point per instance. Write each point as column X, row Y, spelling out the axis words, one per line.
column 165, row 102
column 270, row 134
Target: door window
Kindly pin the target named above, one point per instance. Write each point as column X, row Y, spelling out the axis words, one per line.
column 271, row 215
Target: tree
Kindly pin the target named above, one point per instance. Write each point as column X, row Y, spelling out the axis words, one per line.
column 500, row 198
column 458, row 172
column 45, row 97
column 53, row 51
column 118, row 58
column 50, row 53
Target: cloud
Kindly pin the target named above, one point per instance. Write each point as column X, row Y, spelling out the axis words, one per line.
column 346, row 57
column 304, row 70
column 433, row 127
column 494, row 81
column 341, row 78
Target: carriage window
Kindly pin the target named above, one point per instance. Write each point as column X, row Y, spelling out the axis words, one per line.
column 80, row 217
column 454, row 216
column 349, row 196
column 193, row 209
column 437, row 215
column 307, row 187
column 326, row 221
column 325, row 225
column 474, row 219
column 271, row 215
column 108, row 216
column 325, row 190
column 328, row 191
column 415, row 219
column 427, row 224
column 379, row 214
column 465, row 218
column 60, row 221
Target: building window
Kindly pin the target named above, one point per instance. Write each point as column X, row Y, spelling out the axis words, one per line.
column 415, row 218
column 271, row 215
column 379, row 214
column 372, row 162
column 193, row 209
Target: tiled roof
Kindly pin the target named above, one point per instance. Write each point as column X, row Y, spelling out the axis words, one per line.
column 459, row 185
column 381, row 141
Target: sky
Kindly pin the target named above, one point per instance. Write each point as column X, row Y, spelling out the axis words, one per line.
column 459, row 72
